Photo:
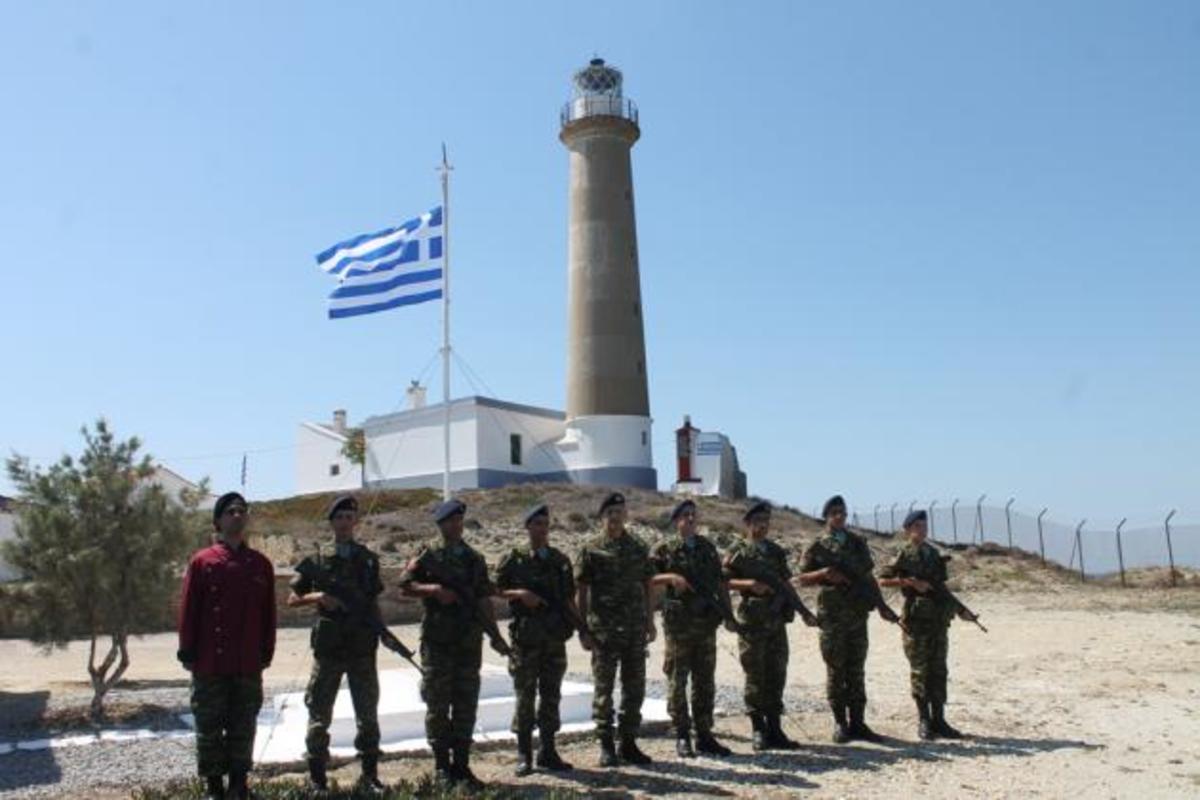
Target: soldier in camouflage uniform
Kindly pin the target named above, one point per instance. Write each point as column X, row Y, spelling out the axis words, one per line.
column 843, row 617
column 763, row 643
column 613, row 574
column 451, row 644
column 690, row 626
column 539, row 585
column 341, row 644
column 916, row 569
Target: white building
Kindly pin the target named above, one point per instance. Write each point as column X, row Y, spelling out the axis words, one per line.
column 707, row 464
column 8, row 532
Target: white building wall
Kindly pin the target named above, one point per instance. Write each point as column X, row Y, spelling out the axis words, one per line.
column 319, row 449
column 538, row 433
column 410, row 444
column 8, row 533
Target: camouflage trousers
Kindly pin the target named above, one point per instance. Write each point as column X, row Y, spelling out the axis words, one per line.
column 226, row 711
column 844, row 648
column 323, row 684
column 630, row 658
column 691, row 654
column 450, row 689
column 537, row 671
column 764, row 657
column 927, row 648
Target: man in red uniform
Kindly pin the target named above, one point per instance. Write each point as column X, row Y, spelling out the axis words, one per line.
column 226, row 640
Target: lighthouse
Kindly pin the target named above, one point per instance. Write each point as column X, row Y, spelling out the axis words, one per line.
column 607, row 438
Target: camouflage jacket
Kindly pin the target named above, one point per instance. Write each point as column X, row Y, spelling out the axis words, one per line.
column 925, row 563
column 615, row 571
column 754, row 611
column 685, row 613
column 447, row 623
column 335, row 632
column 837, row 601
column 551, row 578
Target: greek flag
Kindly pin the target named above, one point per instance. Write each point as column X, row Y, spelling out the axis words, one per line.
column 400, row 266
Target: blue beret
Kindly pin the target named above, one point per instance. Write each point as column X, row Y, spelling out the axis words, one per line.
column 682, row 507
column 614, row 499
column 448, row 509
column 540, row 510
column 342, row 503
column 224, row 501
column 761, row 507
column 915, row 517
column 837, row 501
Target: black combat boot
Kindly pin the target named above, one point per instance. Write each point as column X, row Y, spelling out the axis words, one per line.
column 238, row 788
column 548, row 757
column 461, row 769
column 940, row 726
column 707, row 745
column 925, row 729
column 759, row 727
column 631, row 754
column 608, row 751
column 442, row 772
column 683, row 744
column 776, row 738
column 317, row 781
column 368, row 781
column 215, row 787
column 524, row 754
column 841, row 731
column 858, row 725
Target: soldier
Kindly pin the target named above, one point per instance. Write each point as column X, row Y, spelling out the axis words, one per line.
column 226, row 640
column 690, row 626
column 843, row 616
column 613, row 574
column 451, row 642
column 538, row 583
column 916, row 570
column 342, row 644
column 763, row 642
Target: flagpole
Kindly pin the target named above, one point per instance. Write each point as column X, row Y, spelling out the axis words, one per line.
column 445, row 172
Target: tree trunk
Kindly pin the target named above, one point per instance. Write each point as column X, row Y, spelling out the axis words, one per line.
column 102, row 681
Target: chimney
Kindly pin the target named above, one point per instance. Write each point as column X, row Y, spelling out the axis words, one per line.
column 339, row 420
column 416, row 395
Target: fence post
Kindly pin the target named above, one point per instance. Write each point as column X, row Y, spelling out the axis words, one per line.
column 1121, row 553
column 1170, row 552
column 932, row 506
column 856, row 520
column 979, row 515
column 893, row 530
column 876, row 512
column 1079, row 547
column 1008, row 520
column 954, row 518
column 1042, row 539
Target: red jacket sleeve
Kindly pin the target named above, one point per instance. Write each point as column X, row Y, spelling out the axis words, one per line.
column 189, row 611
column 268, row 651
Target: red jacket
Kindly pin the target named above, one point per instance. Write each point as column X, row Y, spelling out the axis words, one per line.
column 227, row 613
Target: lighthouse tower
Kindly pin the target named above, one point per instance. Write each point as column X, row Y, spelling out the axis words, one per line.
column 607, row 438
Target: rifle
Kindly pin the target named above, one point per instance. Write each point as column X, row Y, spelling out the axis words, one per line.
column 467, row 598
column 860, row 585
column 554, row 604
column 784, row 594
column 714, row 598
column 942, row 592
column 356, row 606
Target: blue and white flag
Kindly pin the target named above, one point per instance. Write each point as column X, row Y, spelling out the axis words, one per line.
column 400, row 266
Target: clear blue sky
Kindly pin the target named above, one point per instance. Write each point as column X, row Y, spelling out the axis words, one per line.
column 901, row 251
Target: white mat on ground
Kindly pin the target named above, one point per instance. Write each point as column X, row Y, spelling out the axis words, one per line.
column 281, row 726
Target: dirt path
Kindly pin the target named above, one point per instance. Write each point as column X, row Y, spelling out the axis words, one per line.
column 1091, row 693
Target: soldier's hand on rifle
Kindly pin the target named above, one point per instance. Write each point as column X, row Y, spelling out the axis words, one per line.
column 530, row 599
column 586, row 641
column 761, row 589
column 967, row 616
column 445, row 596
column 832, row 575
column 918, row 584
column 680, row 583
column 328, row 602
